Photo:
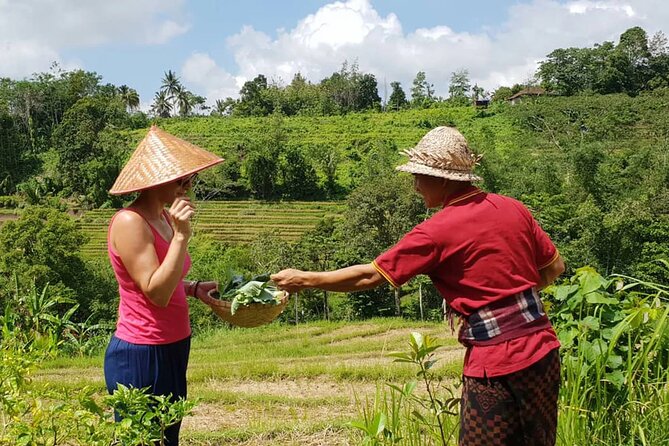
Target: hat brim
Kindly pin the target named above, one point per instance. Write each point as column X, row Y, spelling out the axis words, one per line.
column 117, row 191
column 422, row 169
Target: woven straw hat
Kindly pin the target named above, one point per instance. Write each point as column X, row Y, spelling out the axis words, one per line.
column 442, row 152
column 160, row 159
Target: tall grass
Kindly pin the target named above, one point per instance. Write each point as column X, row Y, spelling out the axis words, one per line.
column 615, row 353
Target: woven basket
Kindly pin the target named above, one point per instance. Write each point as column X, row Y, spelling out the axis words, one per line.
column 252, row 315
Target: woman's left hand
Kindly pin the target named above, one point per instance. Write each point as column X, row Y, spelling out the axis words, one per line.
column 203, row 289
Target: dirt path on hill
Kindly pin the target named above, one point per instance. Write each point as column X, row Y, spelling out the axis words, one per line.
column 8, row 217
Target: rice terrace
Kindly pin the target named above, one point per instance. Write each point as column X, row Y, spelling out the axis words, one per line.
column 229, row 222
column 334, row 223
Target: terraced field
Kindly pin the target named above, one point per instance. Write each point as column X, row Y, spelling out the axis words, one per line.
column 229, row 221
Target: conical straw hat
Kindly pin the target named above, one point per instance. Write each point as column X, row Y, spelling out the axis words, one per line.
column 160, row 159
column 442, row 152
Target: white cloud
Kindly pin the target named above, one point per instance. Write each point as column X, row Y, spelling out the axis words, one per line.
column 582, row 7
column 200, row 69
column 33, row 33
column 26, row 57
column 353, row 30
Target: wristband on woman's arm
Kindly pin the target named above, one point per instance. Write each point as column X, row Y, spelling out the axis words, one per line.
column 197, row 282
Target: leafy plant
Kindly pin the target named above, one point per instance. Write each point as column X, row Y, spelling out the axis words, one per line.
column 406, row 416
column 615, row 358
column 244, row 292
column 145, row 417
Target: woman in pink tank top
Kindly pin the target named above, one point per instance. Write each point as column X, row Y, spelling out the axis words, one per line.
column 147, row 247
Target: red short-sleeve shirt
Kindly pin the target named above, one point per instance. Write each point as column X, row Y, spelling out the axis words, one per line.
column 479, row 248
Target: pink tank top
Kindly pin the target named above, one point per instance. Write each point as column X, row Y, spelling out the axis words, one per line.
column 139, row 320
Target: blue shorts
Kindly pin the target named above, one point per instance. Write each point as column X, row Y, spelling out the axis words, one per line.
column 161, row 368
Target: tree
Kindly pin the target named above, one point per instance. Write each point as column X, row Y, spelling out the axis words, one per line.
column 422, row 92
column 171, row 85
column 301, row 97
column 298, row 176
column 502, row 93
column 129, row 97
column 566, row 71
column 657, row 45
column 328, row 158
column 185, row 102
column 633, row 59
column 379, row 212
column 634, row 44
column 478, row 92
column 630, row 67
column 224, row 107
column 42, row 246
column 316, row 251
column 459, row 87
column 253, row 99
column 78, row 143
column 161, row 106
column 398, row 99
column 368, row 95
column 341, row 89
column 261, row 171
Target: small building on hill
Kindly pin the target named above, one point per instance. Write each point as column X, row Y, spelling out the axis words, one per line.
column 525, row 93
column 481, row 103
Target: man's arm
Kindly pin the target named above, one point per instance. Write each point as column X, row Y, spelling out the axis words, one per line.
column 550, row 273
column 352, row 278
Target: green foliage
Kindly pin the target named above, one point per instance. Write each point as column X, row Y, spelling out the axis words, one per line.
column 398, row 99
column 628, row 67
column 401, row 415
column 43, row 247
column 298, row 176
column 380, row 211
column 615, row 357
column 45, row 415
column 89, row 159
column 458, row 89
column 42, row 320
column 261, row 170
column 422, row 92
column 595, row 177
column 145, row 417
column 253, row 98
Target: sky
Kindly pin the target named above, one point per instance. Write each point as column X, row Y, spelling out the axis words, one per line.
column 216, row 46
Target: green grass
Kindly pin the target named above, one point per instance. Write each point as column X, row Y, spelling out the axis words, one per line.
column 280, row 384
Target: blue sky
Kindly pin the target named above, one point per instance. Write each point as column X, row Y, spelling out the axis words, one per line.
column 214, row 46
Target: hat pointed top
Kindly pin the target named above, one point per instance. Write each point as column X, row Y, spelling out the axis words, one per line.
column 161, row 158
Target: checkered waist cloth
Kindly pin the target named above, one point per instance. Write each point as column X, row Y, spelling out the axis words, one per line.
column 509, row 318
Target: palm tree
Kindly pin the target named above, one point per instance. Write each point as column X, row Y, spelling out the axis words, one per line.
column 161, row 105
column 129, row 97
column 222, row 107
column 184, row 100
column 171, row 84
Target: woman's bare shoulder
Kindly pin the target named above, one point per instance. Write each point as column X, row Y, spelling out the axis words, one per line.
column 128, row 223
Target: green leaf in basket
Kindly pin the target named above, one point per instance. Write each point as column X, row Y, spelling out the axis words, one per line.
column 254, row 292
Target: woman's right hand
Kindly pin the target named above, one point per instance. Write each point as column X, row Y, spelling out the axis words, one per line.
column 181, row 211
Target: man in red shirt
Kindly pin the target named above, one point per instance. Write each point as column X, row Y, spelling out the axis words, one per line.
column 488, row 257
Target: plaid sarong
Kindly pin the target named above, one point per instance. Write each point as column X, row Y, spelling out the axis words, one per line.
column 509, row 318
column 519, row 409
